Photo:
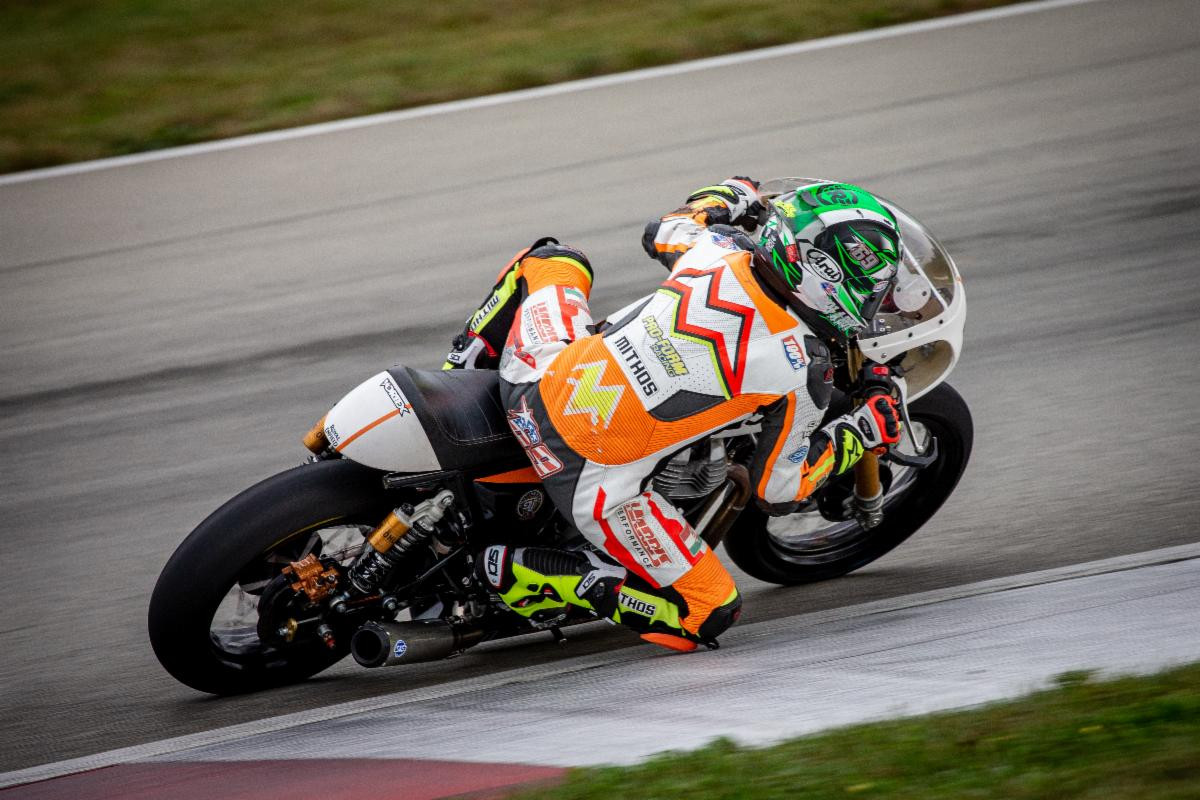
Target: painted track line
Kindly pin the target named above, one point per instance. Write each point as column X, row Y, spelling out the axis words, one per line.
column 539, row 672
column 585, row 84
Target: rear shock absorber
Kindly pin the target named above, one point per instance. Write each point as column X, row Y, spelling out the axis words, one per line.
column 401, row 531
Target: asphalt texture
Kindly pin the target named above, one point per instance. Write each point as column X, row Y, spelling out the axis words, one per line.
column 169, row 330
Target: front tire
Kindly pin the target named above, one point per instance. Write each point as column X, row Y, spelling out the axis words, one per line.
column 806, row 547
column 236, row 550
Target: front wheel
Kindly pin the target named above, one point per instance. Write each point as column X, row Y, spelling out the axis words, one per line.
column 809, row 546
column 204, row 610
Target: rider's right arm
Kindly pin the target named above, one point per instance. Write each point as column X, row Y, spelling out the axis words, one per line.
column 725, row 203
column 793, row 459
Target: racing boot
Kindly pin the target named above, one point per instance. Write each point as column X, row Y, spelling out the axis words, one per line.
column 541, row 584
column 482, row 340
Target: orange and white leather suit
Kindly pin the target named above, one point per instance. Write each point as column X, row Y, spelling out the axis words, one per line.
column 599, row 413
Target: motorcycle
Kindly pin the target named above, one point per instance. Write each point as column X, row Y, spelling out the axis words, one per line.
column 369, row 548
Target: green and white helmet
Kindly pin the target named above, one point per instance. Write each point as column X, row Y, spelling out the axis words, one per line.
column 831, row 251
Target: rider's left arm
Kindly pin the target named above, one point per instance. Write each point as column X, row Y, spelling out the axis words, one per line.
column 730, row 202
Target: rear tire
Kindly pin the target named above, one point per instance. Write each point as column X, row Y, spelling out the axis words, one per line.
column 846, row 546
column 274, row 516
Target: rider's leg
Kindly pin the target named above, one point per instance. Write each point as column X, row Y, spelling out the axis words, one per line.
column 542, row 583
column 480, row 344
column 677, row 593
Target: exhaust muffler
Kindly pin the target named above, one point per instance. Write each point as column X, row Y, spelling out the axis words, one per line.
column 385, row 644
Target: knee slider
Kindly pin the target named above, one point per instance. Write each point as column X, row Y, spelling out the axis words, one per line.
column 721, row 619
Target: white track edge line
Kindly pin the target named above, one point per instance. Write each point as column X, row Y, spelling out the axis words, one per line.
column 487, row 101
column 537, row 672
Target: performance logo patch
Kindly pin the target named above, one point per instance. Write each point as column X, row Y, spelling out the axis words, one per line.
column 539, row 327
column 641, row 536
column 798, row 455
column 591, row 397
column 525, row 428
column 400, row 648
column 794, row 351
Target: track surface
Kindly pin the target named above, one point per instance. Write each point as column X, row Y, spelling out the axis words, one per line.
column 170, row 329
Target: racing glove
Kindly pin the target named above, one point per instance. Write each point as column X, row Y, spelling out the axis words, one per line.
column 739, row 202
column 874, row 426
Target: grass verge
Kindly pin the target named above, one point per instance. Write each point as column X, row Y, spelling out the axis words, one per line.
column 83, row 79
column 1131, row 738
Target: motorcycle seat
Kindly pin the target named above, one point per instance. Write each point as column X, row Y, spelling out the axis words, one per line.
column 462, row 415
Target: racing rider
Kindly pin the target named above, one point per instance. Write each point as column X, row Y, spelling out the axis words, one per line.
column 736, row 330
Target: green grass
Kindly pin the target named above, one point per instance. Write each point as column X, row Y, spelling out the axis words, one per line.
column 1130, row 738
column 88, row 78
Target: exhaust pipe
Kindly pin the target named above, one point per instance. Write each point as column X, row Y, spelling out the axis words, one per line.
column 385, row 644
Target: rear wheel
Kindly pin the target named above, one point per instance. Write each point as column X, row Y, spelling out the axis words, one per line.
column 809, row 546
column 204, row 610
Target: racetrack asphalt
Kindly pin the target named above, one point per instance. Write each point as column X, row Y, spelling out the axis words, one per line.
column 170, row 329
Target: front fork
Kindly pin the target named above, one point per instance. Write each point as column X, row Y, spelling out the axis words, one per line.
column 867, row 500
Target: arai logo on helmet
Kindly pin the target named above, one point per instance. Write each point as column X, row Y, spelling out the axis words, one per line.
column 400, row 648
column 823, row 265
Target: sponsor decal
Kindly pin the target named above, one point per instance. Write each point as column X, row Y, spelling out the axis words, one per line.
column 842, row 321
column 824, row 265
column 835, row 194
column 634, row 362
column 794, row 352
column 331, row 433
column 525, row 428
column 637, row 605
column 539, row 326
column 865, row 427
column 482, row 313
column 530, row 504
column 590, row 396
column 493, row 565
column 395, row 395
column 799, row 454
column 662, row 348
column 523, row 425
column 588, row 582
column 400, row 648
column 721, row 240
column 644, row 542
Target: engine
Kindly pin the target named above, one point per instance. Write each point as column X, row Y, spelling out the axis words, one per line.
column 694, row 472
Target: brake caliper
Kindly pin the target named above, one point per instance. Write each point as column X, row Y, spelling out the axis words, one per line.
column 312, row 577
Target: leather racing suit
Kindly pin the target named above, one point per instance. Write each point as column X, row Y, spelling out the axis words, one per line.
column 599, row 413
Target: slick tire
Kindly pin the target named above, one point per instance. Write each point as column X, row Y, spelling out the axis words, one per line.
column 262, row 520
column 773, row 559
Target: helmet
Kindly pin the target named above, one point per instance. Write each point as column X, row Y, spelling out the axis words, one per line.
column 831, row 251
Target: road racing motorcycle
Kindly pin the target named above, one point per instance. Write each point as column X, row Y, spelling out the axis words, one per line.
column 369, row 548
